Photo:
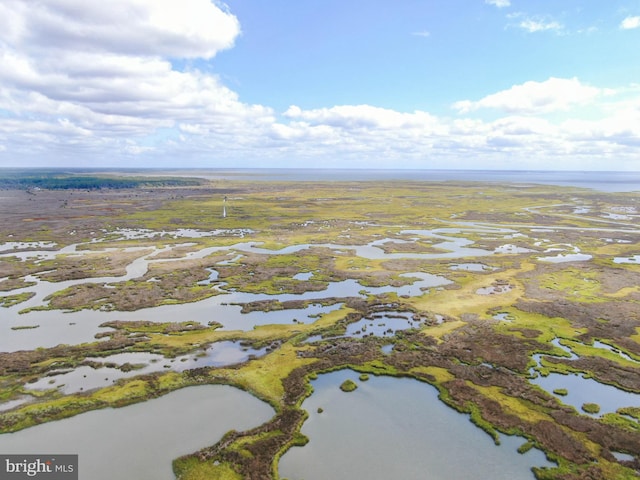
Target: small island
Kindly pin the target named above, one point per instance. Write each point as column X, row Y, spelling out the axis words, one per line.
column 348, row 386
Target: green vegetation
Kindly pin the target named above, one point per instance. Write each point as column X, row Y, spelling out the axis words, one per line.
column 348, row 385
column 82, row 179
column 525, row 447
column 11, row 300
column 476, row 349
column 189, row 468
column 591, row 408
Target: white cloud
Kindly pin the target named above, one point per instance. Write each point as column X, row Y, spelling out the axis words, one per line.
column 190, row 28
column 499, row 3
column 554, row 94
column 362, row 117
column 92, row 83
column 101, row 71
column 630, row 23
column 533, row 25
column 422, row 33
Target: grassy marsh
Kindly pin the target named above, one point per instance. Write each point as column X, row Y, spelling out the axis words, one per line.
column 492, row 321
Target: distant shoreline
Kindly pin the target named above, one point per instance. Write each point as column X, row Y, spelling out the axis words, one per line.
column 606, row 181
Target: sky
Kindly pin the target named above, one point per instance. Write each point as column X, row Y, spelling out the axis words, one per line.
column 415, row 84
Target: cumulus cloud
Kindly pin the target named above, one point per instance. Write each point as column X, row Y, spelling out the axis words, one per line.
column 499, row 3
column 533, row 25
column 191, row 28
column 362, row 134
column 96, row 82
column 362, row 116
column 103, row 71
column 554, row 94
column 630, row 23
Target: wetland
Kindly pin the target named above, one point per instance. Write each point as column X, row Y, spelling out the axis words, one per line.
column 515, row 305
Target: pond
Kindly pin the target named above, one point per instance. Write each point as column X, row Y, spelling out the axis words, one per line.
column 140, row 441
column 397, row 428
column 582, row 390
column 630, row 259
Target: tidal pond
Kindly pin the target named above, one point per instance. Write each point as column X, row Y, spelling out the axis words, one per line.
column 581, row 390
column 397, row 428
column 140, row 441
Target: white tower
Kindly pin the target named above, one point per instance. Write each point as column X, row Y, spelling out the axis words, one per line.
column 224, row 207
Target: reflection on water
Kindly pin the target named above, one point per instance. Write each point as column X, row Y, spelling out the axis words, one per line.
column 397, row 428
column 140, row 441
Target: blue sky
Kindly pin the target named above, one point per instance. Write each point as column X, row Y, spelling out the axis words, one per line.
column 473, row 84
column 419, row 54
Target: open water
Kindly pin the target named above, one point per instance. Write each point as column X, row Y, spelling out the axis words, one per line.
column 597, row 180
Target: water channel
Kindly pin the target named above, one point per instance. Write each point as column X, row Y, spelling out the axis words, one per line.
column 50, row 328
column 140, row 441
column 397, row 428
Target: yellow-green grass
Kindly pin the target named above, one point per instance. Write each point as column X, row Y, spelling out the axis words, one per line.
column 549, row 327
column 520, row 407
column 191, row 468
column 455, row 302
column 583, row 350
column 441, row 375
column 261, row 333
column 574, row 284
column 264, row 378
column 124, row 392
column 439, row 331
column 12, row 300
